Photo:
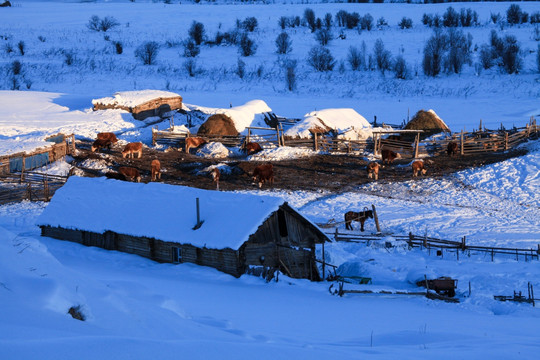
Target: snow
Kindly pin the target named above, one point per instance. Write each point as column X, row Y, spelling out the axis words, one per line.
column 213, row 150
column 161, row 211
column 132, row 99
column 341, row 120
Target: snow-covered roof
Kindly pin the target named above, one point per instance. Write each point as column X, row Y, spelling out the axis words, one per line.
column 437, row 117
column 131, row 99
column 338, row 119
column 156, row 210
column 249, row 114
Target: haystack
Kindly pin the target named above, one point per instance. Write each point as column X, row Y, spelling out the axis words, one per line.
column 218, row 124
column 428, row 121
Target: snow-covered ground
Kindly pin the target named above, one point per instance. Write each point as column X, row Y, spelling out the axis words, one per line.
column 139, row 309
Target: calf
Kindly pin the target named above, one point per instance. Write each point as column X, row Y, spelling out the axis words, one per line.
column 388, row 156
column 263, row 173
column 130, row 173
column 373, row 170
column 215, row 176
column 361, row 217
column 193, row 142
column 107, row 136
column 252, row 148
column 101, row 144
column 131, row 149
column 156, row 169
column 452, row 148
column 418, row 166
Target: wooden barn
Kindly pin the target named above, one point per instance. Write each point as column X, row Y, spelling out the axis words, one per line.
column 141, row 104
column 234, row 233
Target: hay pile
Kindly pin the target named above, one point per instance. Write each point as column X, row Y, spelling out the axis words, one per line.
column 428, row 121
column 218, row 124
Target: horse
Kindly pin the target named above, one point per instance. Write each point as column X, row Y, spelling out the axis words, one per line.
column 361, row 217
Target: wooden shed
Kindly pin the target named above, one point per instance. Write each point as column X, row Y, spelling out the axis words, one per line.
column 234, row 233
column 141, row 104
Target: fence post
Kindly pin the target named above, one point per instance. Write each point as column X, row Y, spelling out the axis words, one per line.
column 277, row 136
column 505, row 140
column 376, row 218
column 323, row 263
column 315, row 144
column 416, row 144
column 282, row 136
column 336, row 236
column 463, row 246
column 461, row 143
column 22, row 168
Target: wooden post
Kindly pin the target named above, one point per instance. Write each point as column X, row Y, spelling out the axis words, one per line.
column 249, row 135
column 480, row 126
column 376, row 218
column 282, row 136
column 22, row 168
column 492, row 255
column 323, row 263
column 315, row 144
column 463, row 246
column 461, row 143
column 416, row 145
column 336, row 239
column 505, row 140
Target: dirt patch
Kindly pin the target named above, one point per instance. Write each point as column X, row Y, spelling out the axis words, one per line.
column 321, row 172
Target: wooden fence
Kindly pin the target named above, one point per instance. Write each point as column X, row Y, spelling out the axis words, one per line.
column 441, row 245
column 29, row 185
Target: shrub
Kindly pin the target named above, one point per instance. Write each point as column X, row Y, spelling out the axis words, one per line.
column 510, row 57
column 118, row 47
column 352, row 20
column 535, row 18
column 16, row 67
column 283, row 43
column 321, row 59
column 93, row 23
column 42, row 38
column 514, row 15
column 250, row 24
column 433, row 53
column 450, row 18
column 191, row 49
column 190, row 65
column 486, row 56
column 196, row 32
column 468, row 17
column 8, row 48
column 323, row 36
column 290, row 74
column 21, row 46
column 97, row 24
column 381, row 22
column 246, row 47
column 427, row 20
column 356, row 58
column 405, row 23
column 495, row 17
column 459, row 51
column 147, row 52
column 69, row 58
column 366, row 23
column 240, row 68
column 309, row 17
column 328, row 20
column 341, row 17
column 401, row 69
column 283, row 22
column 382, row 56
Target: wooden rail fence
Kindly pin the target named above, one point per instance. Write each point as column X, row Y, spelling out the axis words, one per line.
column 29, row 185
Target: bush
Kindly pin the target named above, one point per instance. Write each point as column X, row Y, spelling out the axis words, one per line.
column 309, row 17
column 240, row 68
column 283, row 43
column 147, row 52
column 97, row 24
column 246, row 47
column 382, row 56
column 250, row 24
column 433, row 53
column 69, row 57
column 535, row 18
column 16, row 67
column 510, row 57
column 459, row 51
column 118, row 47
column 341, row 18
column 21, row 46
column 8, row 48
column 381, row 22
column 283, row 22
column 290, row 74
column 191, row 49
column 328, row 21
column 405, row 23
column 450, row 18
column 42, row 38
column 468, row 17
column 197, row 32
column 401, row 69
column 352, row 20
column 366, row 23
column 514, row 15
column 190, row 65
column 357, row 58
column 427, row 20
column 323, row 36
column 486, row 56
column 495, row 17
column 321, row 59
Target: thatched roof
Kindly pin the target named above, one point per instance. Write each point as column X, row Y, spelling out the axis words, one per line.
column 218, row 124
column 428, row 121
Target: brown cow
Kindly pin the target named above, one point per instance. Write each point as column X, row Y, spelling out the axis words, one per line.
column 418, row 166
column 252, row 148
column 373, row 170
column 107, row 136
column 361, row 217
column 156, row 169
column 388, row 156
column 264, row 173
column 131, row 149
column 101, row 144
column 215, row 173
column 130, row 173
column 452, row 148
column 193, row 142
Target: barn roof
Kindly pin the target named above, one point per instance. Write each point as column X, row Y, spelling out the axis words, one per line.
column 156, row 210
